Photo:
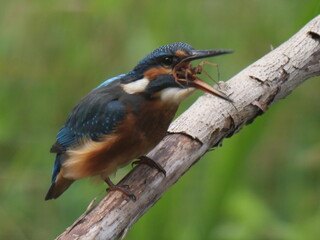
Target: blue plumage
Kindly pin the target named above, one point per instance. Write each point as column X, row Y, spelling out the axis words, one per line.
column 90, row 124
column 92, row 118
column 154, row 58
column 110, row 80
column 56, row 168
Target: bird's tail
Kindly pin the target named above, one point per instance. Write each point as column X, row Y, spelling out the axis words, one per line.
column 58, row 187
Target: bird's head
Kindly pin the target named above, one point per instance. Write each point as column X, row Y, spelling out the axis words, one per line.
column 155, row 77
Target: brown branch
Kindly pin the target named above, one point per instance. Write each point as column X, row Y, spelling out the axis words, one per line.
column 204, row 125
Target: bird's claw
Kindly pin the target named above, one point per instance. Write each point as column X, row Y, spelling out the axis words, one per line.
column 151, row 163
column 124, row 189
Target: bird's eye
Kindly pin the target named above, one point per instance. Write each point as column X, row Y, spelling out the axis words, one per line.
column 167, row 60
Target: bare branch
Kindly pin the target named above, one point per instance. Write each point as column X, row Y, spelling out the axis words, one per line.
column 204, row 125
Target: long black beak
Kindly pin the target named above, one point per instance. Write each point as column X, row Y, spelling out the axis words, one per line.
column 198, row 54
column 201, row 85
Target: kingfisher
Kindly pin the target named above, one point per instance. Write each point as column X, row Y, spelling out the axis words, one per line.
column 124, row 118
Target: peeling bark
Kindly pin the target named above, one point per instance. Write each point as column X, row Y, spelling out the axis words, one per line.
column 204, row 125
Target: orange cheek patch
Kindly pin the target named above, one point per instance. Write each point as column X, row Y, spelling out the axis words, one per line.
column 181, row 54
column 153, row 73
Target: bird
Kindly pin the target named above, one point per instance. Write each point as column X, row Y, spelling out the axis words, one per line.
column 124, row 117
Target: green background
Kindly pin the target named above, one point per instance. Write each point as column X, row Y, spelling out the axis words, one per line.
column 264, row 183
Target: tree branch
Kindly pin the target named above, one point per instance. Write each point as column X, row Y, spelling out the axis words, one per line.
column 204, row 125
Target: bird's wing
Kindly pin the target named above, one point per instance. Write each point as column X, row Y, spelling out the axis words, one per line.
column 95, row 116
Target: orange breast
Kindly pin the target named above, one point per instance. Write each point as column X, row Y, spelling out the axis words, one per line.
column 137, row 135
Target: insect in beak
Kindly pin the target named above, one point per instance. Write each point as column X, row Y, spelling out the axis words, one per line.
column 185, row 74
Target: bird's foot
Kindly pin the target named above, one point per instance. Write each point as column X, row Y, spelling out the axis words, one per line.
column 123, row 188
column 148, row 161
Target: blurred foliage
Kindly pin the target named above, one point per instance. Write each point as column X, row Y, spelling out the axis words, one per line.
column 262, row 184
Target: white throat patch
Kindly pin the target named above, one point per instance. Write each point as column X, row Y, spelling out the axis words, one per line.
column 175, row 95
column 137, row 86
